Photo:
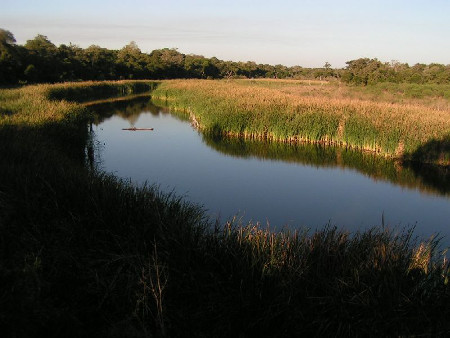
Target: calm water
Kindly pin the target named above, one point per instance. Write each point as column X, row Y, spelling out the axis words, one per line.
column 295, row 186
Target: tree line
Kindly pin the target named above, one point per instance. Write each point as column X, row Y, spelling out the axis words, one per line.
column 39, row 60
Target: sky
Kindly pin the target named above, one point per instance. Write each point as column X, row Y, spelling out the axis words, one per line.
column 305, row 33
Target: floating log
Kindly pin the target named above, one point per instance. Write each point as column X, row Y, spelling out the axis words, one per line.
column 135, row 129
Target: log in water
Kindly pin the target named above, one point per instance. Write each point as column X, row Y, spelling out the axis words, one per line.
column 136, row 129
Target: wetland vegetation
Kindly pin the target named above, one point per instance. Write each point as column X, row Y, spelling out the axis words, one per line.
column 83, row 253
column 295, row 111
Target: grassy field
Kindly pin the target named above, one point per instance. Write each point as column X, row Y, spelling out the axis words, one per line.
column 393, row 123
column 85, row 254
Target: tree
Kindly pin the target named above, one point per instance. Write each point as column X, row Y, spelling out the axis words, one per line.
column 167, row 63
column 227, row 69
column 71, row 60
column 193, row 64
column 100, row 63
column 433, row 73
column 363, row 71
column 9, row 58
column 6, row 38
column 131, row 62
column 42, row 54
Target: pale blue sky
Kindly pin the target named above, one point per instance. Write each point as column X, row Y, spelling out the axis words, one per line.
column 305, row 33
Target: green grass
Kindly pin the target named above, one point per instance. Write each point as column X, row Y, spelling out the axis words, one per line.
column 410, row 90
column 83, row 253
column 294, row 111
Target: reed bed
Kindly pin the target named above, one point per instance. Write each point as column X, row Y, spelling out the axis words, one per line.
column 281, row 112
column 325, row 283
column 83, row 253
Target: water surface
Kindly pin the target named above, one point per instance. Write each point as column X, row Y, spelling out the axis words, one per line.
column 271, row 183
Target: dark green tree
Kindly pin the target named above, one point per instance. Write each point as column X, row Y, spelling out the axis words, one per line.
column 71, row 61
column 10, row 60
column 131, row 62
column 99, row 63
column 227, row 69
column 167, row 63
column 193, row 65
column 42, row 54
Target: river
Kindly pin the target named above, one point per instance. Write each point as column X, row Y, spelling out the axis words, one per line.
column 280, row 185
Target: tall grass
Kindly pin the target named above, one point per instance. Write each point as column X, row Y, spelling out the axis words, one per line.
column 83, row 253
column 282, row 112
column 32, row 106
column 328, row 283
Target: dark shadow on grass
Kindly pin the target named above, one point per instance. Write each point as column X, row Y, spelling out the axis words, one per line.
column 100, row 90
column 431, row 162
column 76, row 245
column 434, row 151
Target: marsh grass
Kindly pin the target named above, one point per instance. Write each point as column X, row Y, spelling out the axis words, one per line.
column 83, row 253
column 257, row 282
column 290, row 111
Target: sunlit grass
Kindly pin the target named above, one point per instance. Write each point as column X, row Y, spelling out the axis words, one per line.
column 295, row 111
column 40, row 104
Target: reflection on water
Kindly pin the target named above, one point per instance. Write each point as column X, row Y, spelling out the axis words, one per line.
column 426, row 178
column 293, row 185
column 129, row 109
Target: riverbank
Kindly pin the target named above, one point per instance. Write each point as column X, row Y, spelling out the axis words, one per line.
column 328, row 113
column 83, row 253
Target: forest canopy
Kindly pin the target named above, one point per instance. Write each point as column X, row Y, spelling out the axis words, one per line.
column 39, row 60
